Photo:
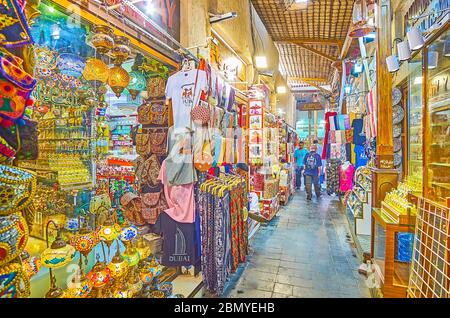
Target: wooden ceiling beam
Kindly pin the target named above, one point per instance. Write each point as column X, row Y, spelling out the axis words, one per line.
column 323, row 90
column 338, row 42
column 317, row 52
column 309, row 79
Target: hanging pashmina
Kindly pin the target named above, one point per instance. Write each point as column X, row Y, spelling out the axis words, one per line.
column 14, row 29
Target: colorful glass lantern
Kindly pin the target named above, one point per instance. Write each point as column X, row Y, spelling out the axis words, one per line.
column 360, row 26
column 118, row 266
column 156, row 268
column 121, row 49
column 80, row 287
column 109, row 231
column 102, row 38
column 118, row 79
column 128, row 233
column 134, row 285
column 31, row 265
column 146, row 274
column 58, row 254
column 85, row 241
column 100, row 275
column 143, row 249
column 96, row 70
column 44, row 58
column 71, row 64
column 131, row 255
column 138, row 83
column 13, row 236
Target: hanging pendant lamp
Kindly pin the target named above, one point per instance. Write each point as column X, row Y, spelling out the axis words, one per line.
column 360, row 26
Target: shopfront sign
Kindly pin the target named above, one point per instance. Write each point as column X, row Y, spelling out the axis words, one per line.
column 165, row 13
column 425, row 7
column 310, row 102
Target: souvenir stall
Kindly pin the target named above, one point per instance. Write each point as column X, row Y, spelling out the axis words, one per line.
column 287, row 140
column 77, row 72
column 263, row 153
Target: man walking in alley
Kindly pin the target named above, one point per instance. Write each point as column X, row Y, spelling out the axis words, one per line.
column 313, row 169
column 299, row 155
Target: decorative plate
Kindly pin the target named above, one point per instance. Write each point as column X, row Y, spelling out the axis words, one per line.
column 397, row 158
column 397, row 144
column 397, row 114
column 396, row 96
column 397, row 130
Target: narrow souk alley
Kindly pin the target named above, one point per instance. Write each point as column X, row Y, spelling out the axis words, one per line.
column 305, row 252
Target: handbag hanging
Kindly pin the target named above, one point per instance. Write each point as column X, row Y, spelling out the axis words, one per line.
column 154, row 113
column 200, row 113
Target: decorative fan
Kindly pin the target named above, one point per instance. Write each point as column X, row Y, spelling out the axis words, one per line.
column 396, row 96
column 397, row 114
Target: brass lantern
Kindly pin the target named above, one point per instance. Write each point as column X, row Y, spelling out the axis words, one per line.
column 118, row 79
column 96, row 70
column 118, row 266
column 360, row 25
column 102, row 38
column 121, row 49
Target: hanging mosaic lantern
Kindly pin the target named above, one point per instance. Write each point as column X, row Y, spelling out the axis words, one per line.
column 128, row 233
column 121, row 49
column 58, row 254
column 138, row 83
column 108, row 232
column 360, row 26
column 13, row 237
column 85, row 241
column 102, row 38
column 100, row 275
column 118, row 266
column 44, row 58
column 96, row 70
column 118, row 79
column 71, row 64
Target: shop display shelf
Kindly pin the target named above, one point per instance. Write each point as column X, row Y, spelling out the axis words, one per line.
column 441, row 185
column 440, row 107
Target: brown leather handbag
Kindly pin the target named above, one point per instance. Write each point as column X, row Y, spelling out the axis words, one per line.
column 132, row 206
column 152, row 206
column 150, row 171
column 156, row 87
column 158, row 140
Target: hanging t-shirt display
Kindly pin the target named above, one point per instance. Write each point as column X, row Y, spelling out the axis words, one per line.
column 180, row 88
column 179, row 241
column 361, row 158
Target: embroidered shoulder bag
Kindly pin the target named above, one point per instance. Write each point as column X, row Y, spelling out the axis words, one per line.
column 152, row 206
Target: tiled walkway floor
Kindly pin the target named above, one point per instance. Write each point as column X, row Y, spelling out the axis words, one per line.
column 303, row 252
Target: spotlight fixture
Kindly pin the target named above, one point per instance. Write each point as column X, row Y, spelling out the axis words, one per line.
column 415, row 39
column 216, row 18
column 404, row 53
column 392, row 63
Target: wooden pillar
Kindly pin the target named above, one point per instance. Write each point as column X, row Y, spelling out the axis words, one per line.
column 384, row 176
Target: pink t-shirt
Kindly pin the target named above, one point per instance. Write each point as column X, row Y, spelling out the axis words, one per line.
column 180, row 199
column 346, row 178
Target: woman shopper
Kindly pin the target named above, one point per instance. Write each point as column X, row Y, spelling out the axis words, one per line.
column 313, row 169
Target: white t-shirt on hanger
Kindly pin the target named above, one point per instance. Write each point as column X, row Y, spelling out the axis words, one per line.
column 180, row 88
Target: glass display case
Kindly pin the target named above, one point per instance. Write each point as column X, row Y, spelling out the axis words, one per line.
column 437, row 123
column 415, row 117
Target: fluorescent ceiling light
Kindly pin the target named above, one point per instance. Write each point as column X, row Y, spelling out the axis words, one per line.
column 301, row 1
column 281, row 90
column 261, row 61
